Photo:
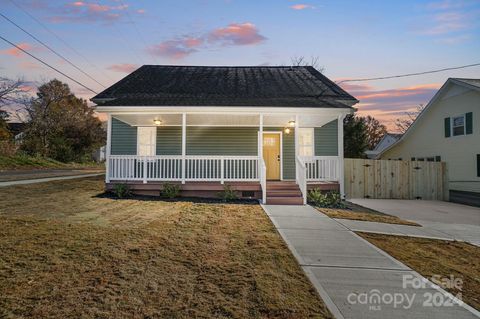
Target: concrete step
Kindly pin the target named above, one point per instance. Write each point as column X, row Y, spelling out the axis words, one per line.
column 284, row 200
column 284, row 193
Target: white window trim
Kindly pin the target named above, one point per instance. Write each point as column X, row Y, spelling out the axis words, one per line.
column 464, row 125
column 154, row 146
column 313, row 140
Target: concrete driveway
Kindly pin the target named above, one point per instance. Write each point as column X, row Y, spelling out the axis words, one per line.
column 460, row 222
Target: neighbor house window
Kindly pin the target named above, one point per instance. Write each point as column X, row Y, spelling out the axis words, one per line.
column 458, row 125
column 305, row 142
column 146, row 141
column 478, row 165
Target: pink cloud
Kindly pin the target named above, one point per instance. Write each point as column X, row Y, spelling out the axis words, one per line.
column 83, row 11
column 233, row 34
column 237, row 34
column 123, row 67
column 176, row 49
column 13, row 51
column 388, row 105
column 141, row 11
column 301, row 6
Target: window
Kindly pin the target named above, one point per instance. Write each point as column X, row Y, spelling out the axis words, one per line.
column 412, row 159
column 305, row 142
column 458, row 125
column 430, row 159
column 438, row 158
column 146, row 140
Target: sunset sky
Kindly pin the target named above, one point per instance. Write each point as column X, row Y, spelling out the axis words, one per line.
column 352, row 39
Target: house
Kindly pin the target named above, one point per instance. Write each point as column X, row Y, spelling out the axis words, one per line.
column 17, row 128
column 448, row 130
column 386, row 140
column 267, row 132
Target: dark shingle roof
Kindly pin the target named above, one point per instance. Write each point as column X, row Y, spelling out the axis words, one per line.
column 161, row 85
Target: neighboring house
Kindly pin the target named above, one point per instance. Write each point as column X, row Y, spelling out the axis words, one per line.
column 265, row 131
column 17, row 131
column 448, row 130
column 387, row 140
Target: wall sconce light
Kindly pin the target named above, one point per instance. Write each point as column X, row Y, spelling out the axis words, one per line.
column 287, row 130
column 291, row 123
column 157, row 122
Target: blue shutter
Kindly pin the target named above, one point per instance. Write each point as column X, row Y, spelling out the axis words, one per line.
column 447, row 127
column 469, row 123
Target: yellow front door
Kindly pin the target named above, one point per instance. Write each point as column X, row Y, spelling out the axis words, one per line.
column 271, row 155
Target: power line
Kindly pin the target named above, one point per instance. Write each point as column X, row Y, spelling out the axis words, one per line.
column 410, row 74
column 48, row 65
column 60, row 39
column 49, row 48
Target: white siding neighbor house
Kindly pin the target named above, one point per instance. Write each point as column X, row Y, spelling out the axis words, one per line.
column 448, row 130
column 387, row 140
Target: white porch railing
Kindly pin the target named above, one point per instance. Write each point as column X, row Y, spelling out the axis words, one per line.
column 301, row 177
column 170, row 168
column 322, row 168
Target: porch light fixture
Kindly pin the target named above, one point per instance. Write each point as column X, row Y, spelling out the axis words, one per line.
column 291, row 123
column 157, row 122
column 287, row 130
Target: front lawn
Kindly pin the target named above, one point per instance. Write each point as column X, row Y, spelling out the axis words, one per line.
column 431, row 257
column 67, row 252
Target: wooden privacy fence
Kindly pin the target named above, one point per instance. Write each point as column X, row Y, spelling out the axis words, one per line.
column 395, row 179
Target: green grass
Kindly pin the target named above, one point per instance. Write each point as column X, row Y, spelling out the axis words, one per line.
column 21, row 161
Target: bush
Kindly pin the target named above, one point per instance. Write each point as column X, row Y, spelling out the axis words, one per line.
column 122, row 190
column 228, row 194
column 170, row 190
column 330, row 199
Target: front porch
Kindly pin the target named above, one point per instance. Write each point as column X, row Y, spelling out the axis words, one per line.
column 203, row 151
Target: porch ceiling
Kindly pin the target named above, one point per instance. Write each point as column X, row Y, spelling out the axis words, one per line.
column 275, row 120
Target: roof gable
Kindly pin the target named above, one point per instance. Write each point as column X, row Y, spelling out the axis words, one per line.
column 225, row 86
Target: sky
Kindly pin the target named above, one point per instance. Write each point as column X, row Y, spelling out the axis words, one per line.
column 107, row 39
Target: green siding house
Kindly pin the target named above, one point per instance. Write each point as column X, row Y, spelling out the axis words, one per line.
column 268, row 132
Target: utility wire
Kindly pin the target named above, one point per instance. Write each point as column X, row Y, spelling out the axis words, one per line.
column 48, row 65
column 60, row 39
column 410, row 74
column 49, row 48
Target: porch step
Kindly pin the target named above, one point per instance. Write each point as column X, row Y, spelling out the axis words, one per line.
column 284, row 201
column 284, row 193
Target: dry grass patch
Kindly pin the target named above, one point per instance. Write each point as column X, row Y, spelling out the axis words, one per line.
column 68, row 253
column 432, row 257
column 356, row 212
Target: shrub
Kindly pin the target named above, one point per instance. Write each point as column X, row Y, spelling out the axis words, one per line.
column 330, row 199
column 122, row 190
column 228, row 194
column 170, row 190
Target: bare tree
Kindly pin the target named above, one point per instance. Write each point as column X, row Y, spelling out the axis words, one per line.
column 403, row 124
column 11, row 91
column 303, row 61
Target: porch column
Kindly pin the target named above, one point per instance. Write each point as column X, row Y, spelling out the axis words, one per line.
column 184, row 144
column 260, row 138
column 341, row 169
column 108, row 147
column 296, row 135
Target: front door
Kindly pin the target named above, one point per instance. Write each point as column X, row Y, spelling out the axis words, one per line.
column 271, row 155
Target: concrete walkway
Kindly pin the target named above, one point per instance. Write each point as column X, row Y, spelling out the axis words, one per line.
column 348, row 271
column 42, row 180
column 439, row 219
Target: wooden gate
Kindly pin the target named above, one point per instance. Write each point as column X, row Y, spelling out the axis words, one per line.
column 395, row 179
